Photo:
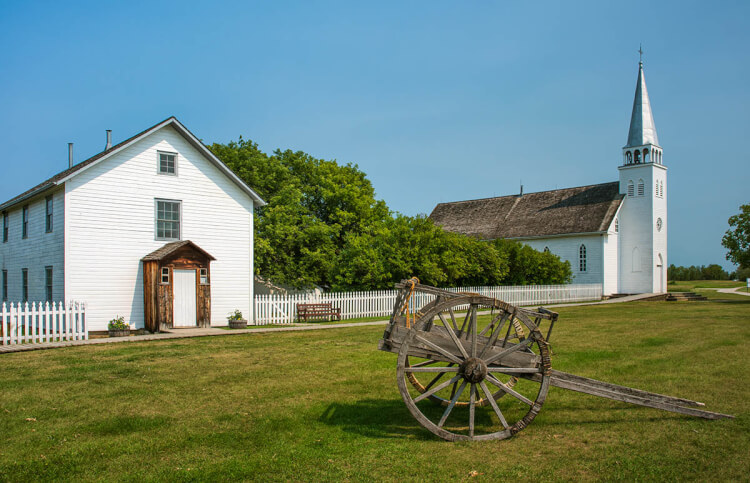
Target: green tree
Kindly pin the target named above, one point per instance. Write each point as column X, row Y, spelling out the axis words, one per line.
column 737, row 239
column 323, row 226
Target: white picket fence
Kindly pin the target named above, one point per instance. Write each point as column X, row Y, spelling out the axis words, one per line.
column 282, row 309
column 30, row 323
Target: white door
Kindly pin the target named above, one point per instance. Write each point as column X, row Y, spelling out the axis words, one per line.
column 183, row 306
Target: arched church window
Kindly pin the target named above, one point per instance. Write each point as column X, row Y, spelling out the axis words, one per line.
column 582, row 258
column 546, row 249
column 645, row 155
column 641, row 188
column 617, row 225
column 631, row 191
column 629, row 157
column 637, row 157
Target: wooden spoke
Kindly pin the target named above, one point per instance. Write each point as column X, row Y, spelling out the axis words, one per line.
column 513, row 393
column 453, row 319
column 474, row 332
column 439, row 349
column 472, row 403
column 425, row 363
column 507, row 334
column 492, row 324
column 510, row 350
column 464, row 325
column 435, row 389
column 436, row 378
column 495, row 334
column 431, row 369
column 450, row 406
column 491, row 399
column 453, row 337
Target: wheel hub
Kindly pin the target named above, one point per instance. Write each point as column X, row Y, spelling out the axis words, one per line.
column 473, row 370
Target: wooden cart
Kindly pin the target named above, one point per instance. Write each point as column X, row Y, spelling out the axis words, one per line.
column 486, row 380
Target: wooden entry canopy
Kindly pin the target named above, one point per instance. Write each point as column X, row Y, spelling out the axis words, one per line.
column 158, row 283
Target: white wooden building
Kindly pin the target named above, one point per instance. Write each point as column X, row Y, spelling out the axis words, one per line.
column 82, row 234
column 612, row 233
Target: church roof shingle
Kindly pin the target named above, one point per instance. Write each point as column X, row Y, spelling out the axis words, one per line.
column 584, row 209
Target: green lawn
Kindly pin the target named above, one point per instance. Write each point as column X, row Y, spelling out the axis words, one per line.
column 324, row 405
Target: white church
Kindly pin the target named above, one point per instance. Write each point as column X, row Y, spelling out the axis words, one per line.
column 613, row 233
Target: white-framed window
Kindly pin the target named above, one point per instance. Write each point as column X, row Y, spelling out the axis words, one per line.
column 582, row 258
column 168, row 216
column 641, row 188
column 617, row 225
column 49, row 207
column 204, row 276
column 165, row 275
column 167, row 163
column 631, row 189
column 48, row 283
column 6, row 223
column 5, row 285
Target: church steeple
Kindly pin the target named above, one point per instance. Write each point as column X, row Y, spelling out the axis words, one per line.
column 642, row 127
column 643, row 143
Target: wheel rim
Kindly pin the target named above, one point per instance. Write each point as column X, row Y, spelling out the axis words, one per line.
column 475, row 363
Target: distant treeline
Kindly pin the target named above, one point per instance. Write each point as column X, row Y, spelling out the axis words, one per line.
column 704, row 272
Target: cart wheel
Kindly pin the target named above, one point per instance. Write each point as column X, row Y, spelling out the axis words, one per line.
column 516, row 335
column 475, row 361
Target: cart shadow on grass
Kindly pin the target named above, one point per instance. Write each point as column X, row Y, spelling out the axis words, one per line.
column 389, row 418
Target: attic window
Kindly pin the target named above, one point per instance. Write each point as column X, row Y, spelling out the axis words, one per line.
column 168, row 163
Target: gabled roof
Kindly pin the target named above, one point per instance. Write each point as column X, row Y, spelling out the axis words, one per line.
column 170, row 248
column 63, row 176
column 642, row 128
column 585, row 209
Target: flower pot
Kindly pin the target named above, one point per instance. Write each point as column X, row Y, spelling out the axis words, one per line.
column 238, row 324
column 119, row 333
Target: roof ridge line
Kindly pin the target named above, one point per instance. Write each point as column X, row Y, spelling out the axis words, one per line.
column 526, row 194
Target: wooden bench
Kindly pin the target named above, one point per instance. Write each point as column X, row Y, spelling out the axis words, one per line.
column 308, row 311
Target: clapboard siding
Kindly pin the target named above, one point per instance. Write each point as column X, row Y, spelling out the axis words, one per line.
column 39, row 250
column 111, row 226
column 567, row 249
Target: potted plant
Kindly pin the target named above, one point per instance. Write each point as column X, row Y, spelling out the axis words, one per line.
column 118, row 328
column 236, row 321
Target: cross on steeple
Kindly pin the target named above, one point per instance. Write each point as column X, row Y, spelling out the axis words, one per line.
column 640, row 53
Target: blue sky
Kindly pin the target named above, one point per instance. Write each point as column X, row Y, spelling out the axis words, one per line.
column 435, row 101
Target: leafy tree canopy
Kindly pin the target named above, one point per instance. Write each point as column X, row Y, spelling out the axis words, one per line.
column 737, row 239
column 323, row 226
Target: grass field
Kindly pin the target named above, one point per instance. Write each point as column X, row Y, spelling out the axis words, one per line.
column 324, row 405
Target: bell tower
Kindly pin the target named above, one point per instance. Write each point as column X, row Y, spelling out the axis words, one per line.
column 643, row 216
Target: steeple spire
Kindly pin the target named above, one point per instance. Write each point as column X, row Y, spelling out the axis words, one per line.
column 642, row 127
